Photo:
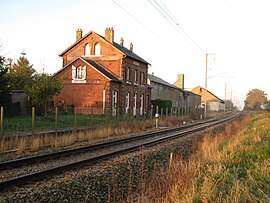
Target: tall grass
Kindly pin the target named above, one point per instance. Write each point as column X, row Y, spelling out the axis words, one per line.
column 231, row 167
column 108, row 131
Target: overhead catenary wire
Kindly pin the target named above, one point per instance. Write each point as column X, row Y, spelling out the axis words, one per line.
column 171, row 20
column 171, row 14
column 146, row 27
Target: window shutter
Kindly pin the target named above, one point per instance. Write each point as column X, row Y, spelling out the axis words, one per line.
column 73, row 72
column 84, row 73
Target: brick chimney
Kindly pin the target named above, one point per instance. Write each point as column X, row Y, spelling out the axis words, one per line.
column 109, row 35
column 180, row 81
column 131, row 47
column 121, row 42
column 78, row 34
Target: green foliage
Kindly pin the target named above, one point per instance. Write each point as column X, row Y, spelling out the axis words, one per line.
column 255, row 98
column 161, row 104
column 240, row 172
column 4, row 88
column 43, row 89
column 21, row 74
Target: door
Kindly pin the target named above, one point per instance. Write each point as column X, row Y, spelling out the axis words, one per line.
column 135, row 105
column 141, row 105
column 114, row 102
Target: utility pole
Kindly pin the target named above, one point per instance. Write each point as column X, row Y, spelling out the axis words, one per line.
column 225, row 96
column 206, row 77
column 231, row 102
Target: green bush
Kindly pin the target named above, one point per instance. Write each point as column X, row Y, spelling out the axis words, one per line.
column 161, row 104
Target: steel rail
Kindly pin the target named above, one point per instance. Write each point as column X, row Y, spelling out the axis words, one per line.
column 22, row 180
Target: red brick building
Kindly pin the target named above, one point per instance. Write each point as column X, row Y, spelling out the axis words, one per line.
column 101, row 76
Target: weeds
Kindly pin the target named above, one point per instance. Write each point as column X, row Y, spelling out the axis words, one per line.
column 231, row 167
column 35, row 143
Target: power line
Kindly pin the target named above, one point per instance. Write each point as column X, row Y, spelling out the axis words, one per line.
column 167, row 9
column 141, row 23
column 186, row 35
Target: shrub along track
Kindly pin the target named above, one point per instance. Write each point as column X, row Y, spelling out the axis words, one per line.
column 51, row 164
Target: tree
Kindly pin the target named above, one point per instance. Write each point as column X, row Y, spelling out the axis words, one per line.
column 4, row 88
column 43, row 89
column 255, row 99
column 21, row 74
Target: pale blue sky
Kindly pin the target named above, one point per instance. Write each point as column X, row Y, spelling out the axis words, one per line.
column 237, row 31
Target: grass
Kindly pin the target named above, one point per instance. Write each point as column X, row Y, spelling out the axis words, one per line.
column 23, row 124
column 231, row 167
column 111, row 129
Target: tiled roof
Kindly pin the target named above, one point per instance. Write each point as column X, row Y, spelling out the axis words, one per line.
column 126, row 51
column 129, row 53
column 156, row 79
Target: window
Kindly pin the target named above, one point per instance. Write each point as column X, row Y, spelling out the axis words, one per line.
column 127, row 73
column 127, row 102
column 114, row 102
column 87, row 50
column 79, row 74
column 141, row 105
column 97, row 49
column 142, row 78
column 135, row 105
column 135, row 76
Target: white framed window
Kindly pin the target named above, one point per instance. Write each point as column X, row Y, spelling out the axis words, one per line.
column 87, row 50
column 79, row 74
column 127, row 102
column 135, row 105
column 114, row 102
column 141, row 105
column 97, row 49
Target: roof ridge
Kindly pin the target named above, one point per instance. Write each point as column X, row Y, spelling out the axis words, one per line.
column 122, row 49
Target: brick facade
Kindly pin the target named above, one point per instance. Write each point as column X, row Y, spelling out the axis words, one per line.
column 99, row 76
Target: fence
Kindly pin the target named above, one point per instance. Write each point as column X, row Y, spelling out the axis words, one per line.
column 56, row 122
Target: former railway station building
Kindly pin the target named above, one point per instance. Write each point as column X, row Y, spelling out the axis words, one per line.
column 101, row 76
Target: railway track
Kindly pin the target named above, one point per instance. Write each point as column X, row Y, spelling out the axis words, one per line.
column 125, row 146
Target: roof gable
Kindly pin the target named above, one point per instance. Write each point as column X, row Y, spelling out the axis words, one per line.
column 102, row 70
column 117, row 46
column 77, row 42
column 217, row 98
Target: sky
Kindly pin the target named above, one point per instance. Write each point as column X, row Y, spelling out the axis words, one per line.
column 174, row 36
